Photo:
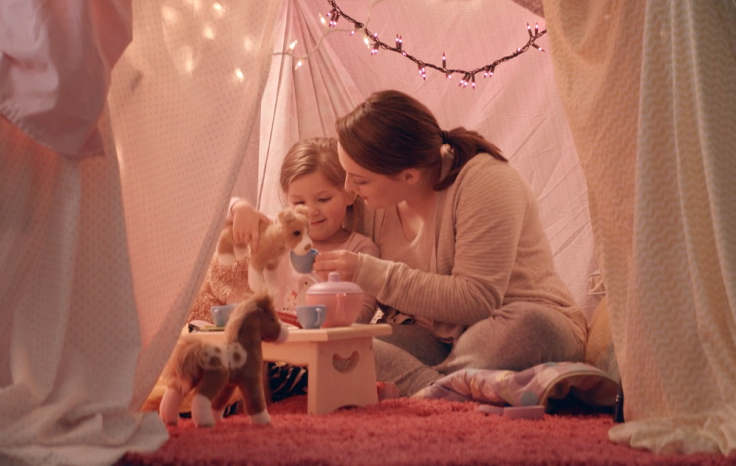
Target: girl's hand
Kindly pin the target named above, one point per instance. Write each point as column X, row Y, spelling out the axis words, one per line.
column 246, row 223
column 341, row 261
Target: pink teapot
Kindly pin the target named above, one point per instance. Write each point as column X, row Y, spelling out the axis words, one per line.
column 343, row 300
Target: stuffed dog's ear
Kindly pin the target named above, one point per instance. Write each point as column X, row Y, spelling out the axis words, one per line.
column 252, row 332
column 285, row 215
column 301, row 209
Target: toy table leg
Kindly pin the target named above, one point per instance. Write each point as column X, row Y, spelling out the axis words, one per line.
column 341, row 373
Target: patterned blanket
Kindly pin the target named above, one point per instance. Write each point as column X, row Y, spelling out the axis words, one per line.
column 534, row 386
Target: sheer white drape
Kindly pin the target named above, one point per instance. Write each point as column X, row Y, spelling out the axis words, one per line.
column 299, row 104
column 649, row 90
column 101, row 256
column 185, row 104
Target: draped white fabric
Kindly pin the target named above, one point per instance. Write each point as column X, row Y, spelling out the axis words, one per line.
column 184, row 102
column 43, row 53
column 101, row 256
column 649, row 90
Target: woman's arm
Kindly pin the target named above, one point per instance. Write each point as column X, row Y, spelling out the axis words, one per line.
column 367, row 247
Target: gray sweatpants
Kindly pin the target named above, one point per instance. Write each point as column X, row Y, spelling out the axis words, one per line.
column 516, row 337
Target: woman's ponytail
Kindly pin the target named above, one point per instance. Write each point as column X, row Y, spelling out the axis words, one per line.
column 465, row 145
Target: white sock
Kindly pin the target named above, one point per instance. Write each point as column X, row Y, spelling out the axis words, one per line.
column 168, row 409
column 261, row 418
column 202, row 411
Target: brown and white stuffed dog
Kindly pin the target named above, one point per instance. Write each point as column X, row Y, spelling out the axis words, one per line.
column 233, row 275
column 290, row 231
column 214, row 370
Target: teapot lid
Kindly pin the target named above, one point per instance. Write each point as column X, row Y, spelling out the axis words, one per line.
column 334, row 285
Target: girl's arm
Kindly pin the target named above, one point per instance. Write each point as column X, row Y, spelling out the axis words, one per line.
column 246, row 221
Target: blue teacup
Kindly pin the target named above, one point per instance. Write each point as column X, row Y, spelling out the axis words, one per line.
column 221, row 314
column 311, row 316
column 303, row 264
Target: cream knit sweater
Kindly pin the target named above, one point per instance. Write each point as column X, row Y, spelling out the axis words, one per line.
column 490, row 251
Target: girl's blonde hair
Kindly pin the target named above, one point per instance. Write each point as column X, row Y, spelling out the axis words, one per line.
column 320, row 155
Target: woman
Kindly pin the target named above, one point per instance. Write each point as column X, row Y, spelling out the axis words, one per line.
column 466, row 276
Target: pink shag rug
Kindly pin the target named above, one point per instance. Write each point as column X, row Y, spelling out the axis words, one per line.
column 405, row 432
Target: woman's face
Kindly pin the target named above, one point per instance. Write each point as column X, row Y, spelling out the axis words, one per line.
column 377, row 191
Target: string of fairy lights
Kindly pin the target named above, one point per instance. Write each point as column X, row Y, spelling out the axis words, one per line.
column 375, row 44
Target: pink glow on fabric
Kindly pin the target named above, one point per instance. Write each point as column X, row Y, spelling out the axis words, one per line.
column 55, row 65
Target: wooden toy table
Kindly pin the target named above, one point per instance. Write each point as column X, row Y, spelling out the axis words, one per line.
column 342, row 371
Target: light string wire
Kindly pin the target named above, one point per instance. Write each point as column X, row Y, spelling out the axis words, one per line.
column 468, row 76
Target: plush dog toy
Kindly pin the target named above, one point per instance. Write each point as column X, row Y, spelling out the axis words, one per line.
column 233, row 276
column 214, row 371
column 290, row 231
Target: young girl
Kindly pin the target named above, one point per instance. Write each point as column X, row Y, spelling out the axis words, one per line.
column 311, row 175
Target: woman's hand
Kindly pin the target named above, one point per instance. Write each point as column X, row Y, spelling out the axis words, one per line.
column 341, row 261
column 246, row 223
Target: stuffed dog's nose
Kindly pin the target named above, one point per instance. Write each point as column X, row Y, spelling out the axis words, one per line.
column 308, row 247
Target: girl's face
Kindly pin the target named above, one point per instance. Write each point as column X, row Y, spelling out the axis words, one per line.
column 377, row 191
column 326, row 202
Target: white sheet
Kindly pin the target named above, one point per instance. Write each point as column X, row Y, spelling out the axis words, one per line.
column 650, row 95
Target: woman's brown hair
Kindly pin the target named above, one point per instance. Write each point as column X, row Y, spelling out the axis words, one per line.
column 319, row 155
column 391, row 131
